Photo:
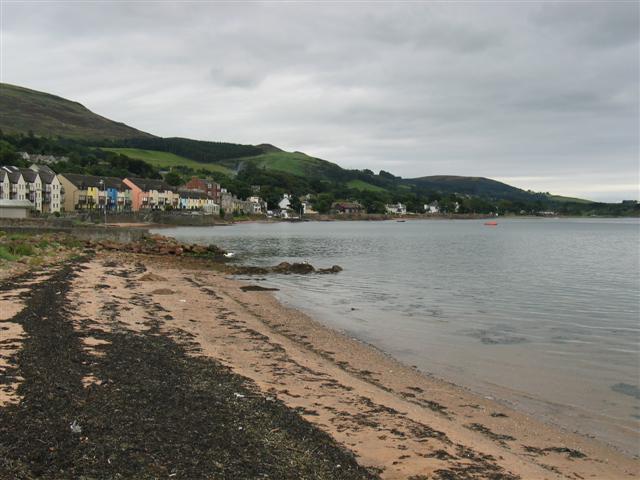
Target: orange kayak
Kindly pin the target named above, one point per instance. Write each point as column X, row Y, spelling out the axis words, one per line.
column 491, row 224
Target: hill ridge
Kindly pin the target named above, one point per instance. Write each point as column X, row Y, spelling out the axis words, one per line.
column 27, row 110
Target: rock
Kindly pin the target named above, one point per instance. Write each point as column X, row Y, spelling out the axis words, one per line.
column 333, row 269
column 163, row 291
column 302, row 268
column 257, row 288
column 199, row 249
column 152, row 277
column 283, row 267
column 249, row 270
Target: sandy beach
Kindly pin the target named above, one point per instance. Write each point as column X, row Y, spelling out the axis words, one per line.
column 397, row 422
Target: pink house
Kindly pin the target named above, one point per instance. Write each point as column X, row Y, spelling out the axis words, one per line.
column 151, row 194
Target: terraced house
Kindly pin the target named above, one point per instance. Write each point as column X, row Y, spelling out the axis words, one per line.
column 5, row 185
column 17, row 184
column 198, row 200
column 34, row 187
column 151, row 194
column 37, row 184
column 212, row 189
column 90, row 192
column 52, row 193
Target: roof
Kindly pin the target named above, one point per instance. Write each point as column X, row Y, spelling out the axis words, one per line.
column 148, row 184
column 346, row 205
column 192, row 194
column 46, row 174
column 15, row 204
column 29, row 175
column 86, row 181
column 13, row 173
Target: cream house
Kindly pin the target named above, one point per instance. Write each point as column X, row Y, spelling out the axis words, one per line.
column 5, row 185
column 52, row 192
column 18, row 186
column 34, row 187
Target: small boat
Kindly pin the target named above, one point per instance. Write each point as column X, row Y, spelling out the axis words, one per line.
column 400, row 221
column 491, row 224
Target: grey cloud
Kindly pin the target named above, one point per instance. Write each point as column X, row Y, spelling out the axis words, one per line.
column 524, row 91
column 599, row 24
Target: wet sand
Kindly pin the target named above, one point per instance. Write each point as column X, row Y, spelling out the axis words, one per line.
column 398, row 422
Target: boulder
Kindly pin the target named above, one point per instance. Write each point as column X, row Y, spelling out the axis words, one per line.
column 301, row 268
column 333, row 269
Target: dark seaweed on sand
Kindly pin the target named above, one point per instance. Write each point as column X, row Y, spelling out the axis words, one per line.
column 153, row 412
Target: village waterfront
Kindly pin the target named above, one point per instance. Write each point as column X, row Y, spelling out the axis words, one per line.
column 541, row 314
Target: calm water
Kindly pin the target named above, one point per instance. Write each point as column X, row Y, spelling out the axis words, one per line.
column 542, row 314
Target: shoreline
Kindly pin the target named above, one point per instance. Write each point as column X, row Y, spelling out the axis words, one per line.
column 539, row 408
column 395, row 419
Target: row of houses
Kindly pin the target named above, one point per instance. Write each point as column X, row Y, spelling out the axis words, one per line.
column 47, row 192
column 38, row 185
column 50, row 193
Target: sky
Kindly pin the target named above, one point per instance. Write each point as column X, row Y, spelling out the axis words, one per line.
column 544, row 96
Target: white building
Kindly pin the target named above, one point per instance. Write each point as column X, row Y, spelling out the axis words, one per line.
column 5, row 185
column 257, row 205
column 285, row 203
column 52, row 200
column 34, row 187
column 397, row 208
column 432, row 207
column 18, row 186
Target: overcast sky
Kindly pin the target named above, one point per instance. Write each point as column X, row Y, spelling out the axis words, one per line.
column 540, row 95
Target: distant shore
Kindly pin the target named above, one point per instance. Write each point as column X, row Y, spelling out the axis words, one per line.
column 398, row 423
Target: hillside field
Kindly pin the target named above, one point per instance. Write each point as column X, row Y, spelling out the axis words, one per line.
column 167, row 160
column 364, row 186
column 294, row 163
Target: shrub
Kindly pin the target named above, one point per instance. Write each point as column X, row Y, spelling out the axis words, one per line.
column 5, row 254
column 21, row 249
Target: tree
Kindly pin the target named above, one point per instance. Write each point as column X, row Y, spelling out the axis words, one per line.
column 295, row 204
column 8, row 155
column 173, row 178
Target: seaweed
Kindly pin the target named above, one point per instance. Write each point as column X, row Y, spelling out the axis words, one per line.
column 153, row 410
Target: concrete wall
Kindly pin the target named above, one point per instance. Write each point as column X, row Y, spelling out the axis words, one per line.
column 14, row 212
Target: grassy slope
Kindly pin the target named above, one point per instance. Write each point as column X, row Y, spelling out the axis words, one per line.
column 294, row 163
column 167, row 160
column 364, row 186
column 561, row 199
column 25, row 110
column 470, row 185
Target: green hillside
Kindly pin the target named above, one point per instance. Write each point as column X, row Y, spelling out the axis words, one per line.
column 98, row 146
column 293, row 163
column 364, row 186
column 166, row 160
column 479, row 186
column 24, row 110
column 561, row 199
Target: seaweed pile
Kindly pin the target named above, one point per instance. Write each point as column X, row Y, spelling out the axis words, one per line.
column 152, row 411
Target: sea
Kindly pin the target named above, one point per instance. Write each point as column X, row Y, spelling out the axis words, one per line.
column 540, row 314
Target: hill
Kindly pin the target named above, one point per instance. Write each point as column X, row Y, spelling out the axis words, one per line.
column 478, row 186
column 292, row 163
column 561, row 199
column 200, row 151
column 24, row 110
column 96, row 145
column 167, row 160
